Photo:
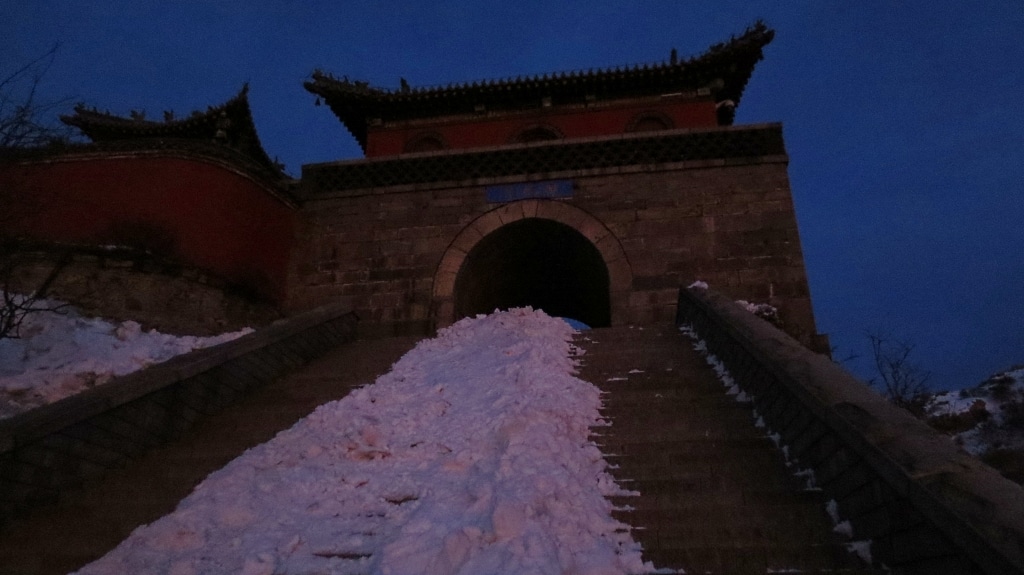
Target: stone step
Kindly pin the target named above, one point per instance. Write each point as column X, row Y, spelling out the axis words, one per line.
column 667, row 384
column 637, row 403
column 709, row 479
column 708, row 496
column 750, row 559
column 673, row 427
column 795, row 571
column 680, row 449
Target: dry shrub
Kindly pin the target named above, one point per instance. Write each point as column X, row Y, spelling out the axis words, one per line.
column 953, row 423
column 147, row 236
column 1009, row 462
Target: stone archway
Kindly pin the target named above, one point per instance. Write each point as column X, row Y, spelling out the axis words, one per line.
column 585, row 241
column 539, row 263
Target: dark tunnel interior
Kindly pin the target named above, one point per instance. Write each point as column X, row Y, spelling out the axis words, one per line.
column 539, row 263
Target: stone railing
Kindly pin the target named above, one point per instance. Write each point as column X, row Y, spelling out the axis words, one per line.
column 925, row 506
column 50, row 449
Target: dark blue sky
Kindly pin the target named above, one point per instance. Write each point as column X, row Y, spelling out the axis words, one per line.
column 903, row 119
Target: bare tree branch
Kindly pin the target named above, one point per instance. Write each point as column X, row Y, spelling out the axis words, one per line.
column 23, row 123
column 902, row 381
column 14, row 307
column 24, row 120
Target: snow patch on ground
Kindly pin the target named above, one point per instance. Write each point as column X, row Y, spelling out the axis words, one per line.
column 60, row 353
column 471, row 456
column 987, row 416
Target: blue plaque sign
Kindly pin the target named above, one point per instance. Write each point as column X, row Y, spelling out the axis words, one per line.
column 529, row 190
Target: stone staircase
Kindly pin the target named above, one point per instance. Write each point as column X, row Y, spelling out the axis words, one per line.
column 716, row 496
column 93, row 519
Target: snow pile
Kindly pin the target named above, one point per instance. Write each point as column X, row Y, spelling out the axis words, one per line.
column 61, row 353
column 988, row 416
column 764, row 311
column 471, row 456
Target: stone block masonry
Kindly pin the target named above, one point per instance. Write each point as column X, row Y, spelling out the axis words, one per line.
column 389, row 238
column 49, row 450
column 130, row 284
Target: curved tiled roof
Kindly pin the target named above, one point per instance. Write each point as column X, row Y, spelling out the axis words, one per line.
column 723, row 71
column 229, row 124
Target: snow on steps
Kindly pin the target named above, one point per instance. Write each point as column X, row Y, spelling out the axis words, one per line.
column 469, row 456
column 715, row 494
column 63, row 537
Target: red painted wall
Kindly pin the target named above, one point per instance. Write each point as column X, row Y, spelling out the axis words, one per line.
column 217, row 219
column 572, row 123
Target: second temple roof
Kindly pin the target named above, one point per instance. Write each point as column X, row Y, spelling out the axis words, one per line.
column 229, row 124
column 721, row 72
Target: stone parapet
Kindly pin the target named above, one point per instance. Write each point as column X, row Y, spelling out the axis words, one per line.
column 578, row 156
column 925, row 506
column 46, row 451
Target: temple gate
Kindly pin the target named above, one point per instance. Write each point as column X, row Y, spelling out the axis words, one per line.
column 594, row 195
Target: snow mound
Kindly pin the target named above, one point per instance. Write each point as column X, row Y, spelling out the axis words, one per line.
column 60, row 353
column 764, row 311
column 471, row 456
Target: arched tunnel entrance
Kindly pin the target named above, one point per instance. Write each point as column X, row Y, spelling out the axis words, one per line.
column 536, row 262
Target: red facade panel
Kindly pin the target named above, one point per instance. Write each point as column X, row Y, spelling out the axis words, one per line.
column 203, row 213
column 485, row 131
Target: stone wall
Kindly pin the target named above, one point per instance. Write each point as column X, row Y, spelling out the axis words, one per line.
column 51, row 449
column 925, row 506
column 123, row 283
column 391, row 251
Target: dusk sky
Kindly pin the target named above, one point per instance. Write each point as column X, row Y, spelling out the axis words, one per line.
column 903, row 119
